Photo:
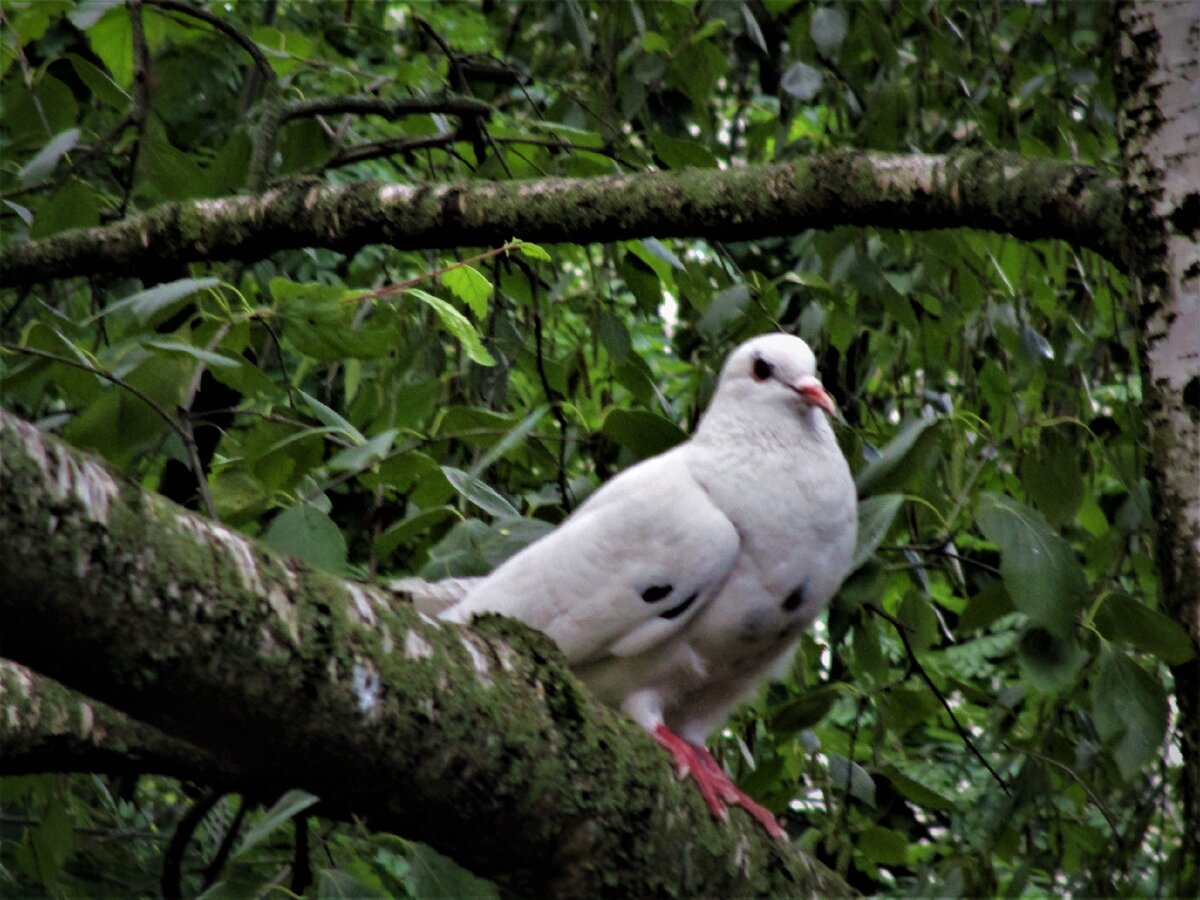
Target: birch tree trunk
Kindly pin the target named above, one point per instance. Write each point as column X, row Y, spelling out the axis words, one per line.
column 1161, row 140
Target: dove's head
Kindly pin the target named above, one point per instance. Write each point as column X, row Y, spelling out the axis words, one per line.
column 773, row 370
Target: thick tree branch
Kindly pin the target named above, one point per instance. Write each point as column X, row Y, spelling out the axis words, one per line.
column 421, row 728
column 49, row 728
column 1028, row 198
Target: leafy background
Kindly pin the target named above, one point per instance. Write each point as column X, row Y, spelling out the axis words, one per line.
column 986, row 710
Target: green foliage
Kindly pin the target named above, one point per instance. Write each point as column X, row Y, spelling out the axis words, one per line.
column 1005, row 585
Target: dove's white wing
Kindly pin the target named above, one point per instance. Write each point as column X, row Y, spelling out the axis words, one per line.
column 626, row 571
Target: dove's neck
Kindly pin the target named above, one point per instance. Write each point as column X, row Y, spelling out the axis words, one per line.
column 733, row 426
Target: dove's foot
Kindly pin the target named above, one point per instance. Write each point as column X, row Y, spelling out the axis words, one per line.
column 716, row 788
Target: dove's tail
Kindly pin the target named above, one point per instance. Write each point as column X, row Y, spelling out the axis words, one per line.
column 434, row 597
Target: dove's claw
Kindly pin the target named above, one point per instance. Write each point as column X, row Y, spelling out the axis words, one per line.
column 715, row 787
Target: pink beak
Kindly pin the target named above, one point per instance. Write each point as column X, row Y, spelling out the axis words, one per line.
column 813, row 393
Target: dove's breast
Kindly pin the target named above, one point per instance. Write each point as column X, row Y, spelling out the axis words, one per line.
column 797, row 530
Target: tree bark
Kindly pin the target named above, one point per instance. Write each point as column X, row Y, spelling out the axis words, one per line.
column 477, row 741
column 1160, row 123
column 49, row 728
column 1027, row 198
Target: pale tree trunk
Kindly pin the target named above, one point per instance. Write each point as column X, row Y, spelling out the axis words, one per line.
column 1160, row 135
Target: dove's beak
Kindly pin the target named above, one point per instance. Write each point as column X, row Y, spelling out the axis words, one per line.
column 813, row 393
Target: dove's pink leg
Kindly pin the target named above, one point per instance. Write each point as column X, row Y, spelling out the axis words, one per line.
column 716, row 788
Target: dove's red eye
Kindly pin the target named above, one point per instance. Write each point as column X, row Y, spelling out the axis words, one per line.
column 761, row 370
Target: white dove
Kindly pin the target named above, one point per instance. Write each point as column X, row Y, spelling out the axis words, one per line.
column 683, row 583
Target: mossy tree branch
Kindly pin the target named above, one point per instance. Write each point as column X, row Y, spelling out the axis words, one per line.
column 1028, row 198
column 478, row 741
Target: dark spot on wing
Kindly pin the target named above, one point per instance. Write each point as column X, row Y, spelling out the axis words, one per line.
column 793, row 600
column 656, row 592
column 680, row 609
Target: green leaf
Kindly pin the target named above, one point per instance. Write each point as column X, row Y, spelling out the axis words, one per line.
column 868, row 655
column 653, row 42
column 844, row 773
column 479, row 493
column 365, row 455
column 303, row 144
column 215, row 360
column 458, row 325
column 475, row 547
column 167, row 173
column 916, row 792
column 907, row 705
column 334, row 884
column 419, row 523
column 656, row 248
column 875, row 517
column 162, row 297
column 806, row 710
column 433, row 875
column 1050, row 662
column 643, row 281
column 727, row 307
column 279, row 814
column 614, row 336
column 310, row 534
column 470, row 286
column 644, row 433
column 335, row 341
column 1122, row 619
column 904, row 456
column 533, row 251
column 74, row 205
column 332, row 419
column 984, row 608
column 518, row 434
column 681, row 153
column 1131, row 711
column 1052, row 478
column 99, row 83
column 1039, row 568
column 917, row 615
column 49, row 845
column 112, row 40
column 883, row 846
column 47, row 158
column 575, row 26
column 33, row 116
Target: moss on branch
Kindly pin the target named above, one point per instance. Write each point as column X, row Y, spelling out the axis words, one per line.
column 1028, row 198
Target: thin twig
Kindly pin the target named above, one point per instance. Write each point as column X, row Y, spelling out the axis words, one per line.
column 443, row 140
column 551, row 397
column 401, row 286
column 915, row 663
column 171, row 882
column 27, row 74
column 181, row 428
column 388, row 108
column 260, row 60
column 939, row 550
column 1099, row 804
column 213, row 869
column 141, row 97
